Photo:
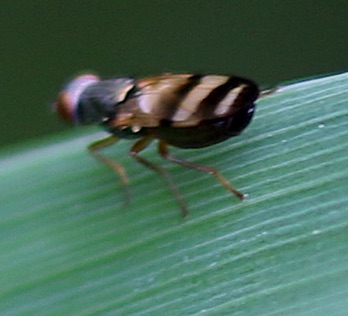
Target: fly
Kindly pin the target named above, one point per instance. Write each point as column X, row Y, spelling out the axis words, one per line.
column 181, row 110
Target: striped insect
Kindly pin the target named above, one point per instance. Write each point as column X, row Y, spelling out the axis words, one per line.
column 182, row 110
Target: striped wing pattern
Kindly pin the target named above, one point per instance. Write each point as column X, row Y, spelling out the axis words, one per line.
column 187, row 99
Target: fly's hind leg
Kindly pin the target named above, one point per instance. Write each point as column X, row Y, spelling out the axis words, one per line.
column 140, row 145
column 164, row 152
column 100, row 144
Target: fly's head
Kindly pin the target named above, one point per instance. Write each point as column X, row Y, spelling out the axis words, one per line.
column 86, row 99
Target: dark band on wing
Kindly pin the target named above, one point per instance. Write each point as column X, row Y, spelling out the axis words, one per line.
column 208, row 105
column 177, row 95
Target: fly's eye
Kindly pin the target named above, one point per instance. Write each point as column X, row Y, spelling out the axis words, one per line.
column 68, row 98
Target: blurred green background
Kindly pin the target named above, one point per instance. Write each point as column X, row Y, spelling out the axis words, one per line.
column 44, row 43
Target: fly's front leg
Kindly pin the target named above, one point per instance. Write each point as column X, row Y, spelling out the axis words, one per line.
column 141, row 145
column 100, row 144
column 164, row 152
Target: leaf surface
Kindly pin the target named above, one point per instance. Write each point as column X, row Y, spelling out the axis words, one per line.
column 69, row 245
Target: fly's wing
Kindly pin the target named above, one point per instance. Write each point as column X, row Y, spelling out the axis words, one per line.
column 185, row 100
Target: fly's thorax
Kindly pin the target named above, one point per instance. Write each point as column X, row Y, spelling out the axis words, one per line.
column 123, row 123
column 99, row 101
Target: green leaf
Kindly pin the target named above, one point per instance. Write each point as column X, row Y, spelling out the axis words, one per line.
column 69, row 246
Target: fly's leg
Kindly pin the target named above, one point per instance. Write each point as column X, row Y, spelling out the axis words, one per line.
column 140, row 145
column 164, row 152
column 100, row 144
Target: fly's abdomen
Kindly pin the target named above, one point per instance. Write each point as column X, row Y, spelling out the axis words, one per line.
column 212, row 109
column 206, row 133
